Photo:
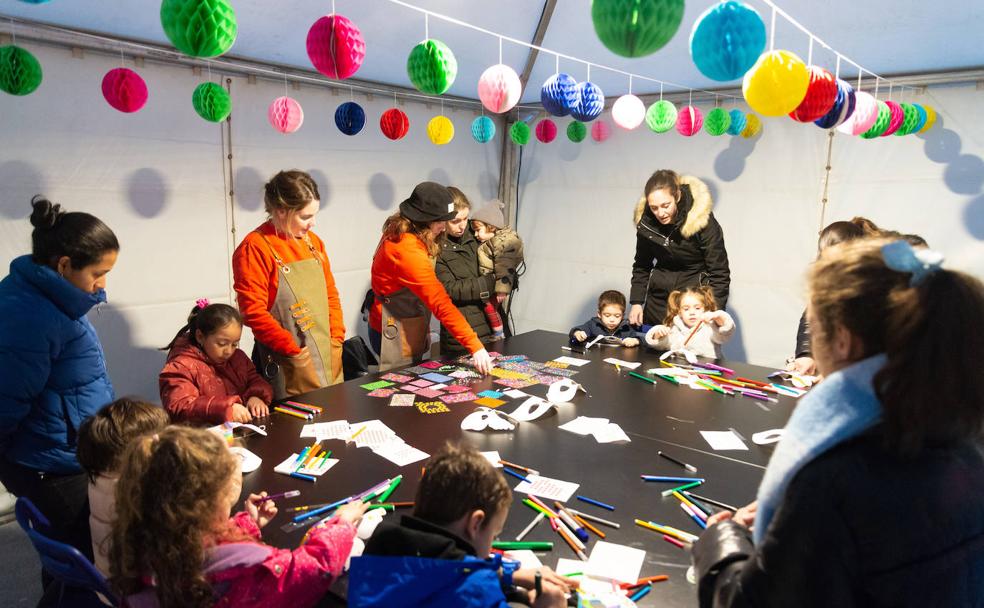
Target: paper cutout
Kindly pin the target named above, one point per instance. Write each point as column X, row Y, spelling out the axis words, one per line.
column 686, row 354
column 417, row 370
column 484, row 418
column 547, row 488
column 438, row 387
column 525, row 557
column 591, row 588
column 532, row 408
column 248, row 461
column 767, row 437
column 402, row 400
column 318, row 466
column 398, row 378
column 490, row 393
column 435, row 377
column 463, row 373
column 421, row 383
column 382, row 392
column 572, row 361
column 489, row 402
column 432, row 407
column 563, row 391
column 723, row 440
column 370, row 433
column 458, row 397
column 625, row 364
column 377, row 384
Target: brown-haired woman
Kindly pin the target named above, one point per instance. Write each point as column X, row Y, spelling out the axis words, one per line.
column 406, row 289
column 876, row 489
column 679, row 244
column 287, row 293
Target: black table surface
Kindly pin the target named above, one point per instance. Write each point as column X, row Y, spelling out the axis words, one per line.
column 655, row 416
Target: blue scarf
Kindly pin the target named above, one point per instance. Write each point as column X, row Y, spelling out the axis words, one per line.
column 843, row 406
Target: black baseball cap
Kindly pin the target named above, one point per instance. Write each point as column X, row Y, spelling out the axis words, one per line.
column 429, row 202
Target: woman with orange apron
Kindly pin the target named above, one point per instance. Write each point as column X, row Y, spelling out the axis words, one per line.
column 406, row 289
column 287, row 293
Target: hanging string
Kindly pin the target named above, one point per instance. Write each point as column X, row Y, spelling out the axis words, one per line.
column 772, row 31
column 122, row 60
column 588, row 79
column 13, row 34
column 690, row 102
column 427, row 26
column 351, row 94
column 876, row 87
column 333, row 7
column 837, row 70
column 809, row 54
column 500, row 49
column 556, row 64
column 661, row 91
column 860, row 74
column 208, row 66
column 442, row 107
column 285, row 83
column 890, row 91
column 630, row 84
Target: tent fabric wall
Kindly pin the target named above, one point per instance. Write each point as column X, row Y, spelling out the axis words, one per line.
column 157, row 178
column 576, row 201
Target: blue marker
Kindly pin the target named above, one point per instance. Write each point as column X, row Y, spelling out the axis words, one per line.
column 641, row 593
column 595, row 502
column 514, row 474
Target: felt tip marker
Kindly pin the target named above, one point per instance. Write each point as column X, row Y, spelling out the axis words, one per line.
column 287, row 494
column 297, row 475
column 595, row 502
column 515, row 474
column 686, row 466
column 670, row 479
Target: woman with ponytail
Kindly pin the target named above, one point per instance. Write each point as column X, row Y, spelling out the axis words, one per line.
column 874, row 495
column 52, row 369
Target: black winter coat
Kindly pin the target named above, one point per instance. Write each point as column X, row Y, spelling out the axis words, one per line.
column 804, row 347
column 686, row 253
column 859, row 526
column 457, row 269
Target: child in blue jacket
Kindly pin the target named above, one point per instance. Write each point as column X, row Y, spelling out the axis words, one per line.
column 610, row 323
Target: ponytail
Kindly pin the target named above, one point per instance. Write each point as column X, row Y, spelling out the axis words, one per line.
column 927, row 331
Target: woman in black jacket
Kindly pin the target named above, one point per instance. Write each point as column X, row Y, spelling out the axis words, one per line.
column 678, row 244
column 875, row 493
column 457, row 269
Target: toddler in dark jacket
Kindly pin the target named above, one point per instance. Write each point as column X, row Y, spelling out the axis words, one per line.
column 610, row 323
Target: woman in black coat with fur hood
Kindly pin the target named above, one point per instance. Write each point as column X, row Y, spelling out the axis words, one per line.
column 679, row 244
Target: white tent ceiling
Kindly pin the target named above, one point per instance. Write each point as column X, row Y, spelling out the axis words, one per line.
column 885, row 36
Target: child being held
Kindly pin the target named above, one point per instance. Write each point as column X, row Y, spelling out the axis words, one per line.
column 609, row 323
column 174, row 543
column 207, row 378
column 685, row 310
column 500, row 252
column 102, row 440
column 461, row 506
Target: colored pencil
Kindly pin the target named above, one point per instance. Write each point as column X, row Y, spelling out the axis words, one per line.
column 645, row 581
column 543, row 504
column 700, row 522
column 687, row 502
column 314, row 408
column 538, row 508
column 307, row 415
column 693, row 332
column 356, row 434
column 724, row 370
column 568, row 519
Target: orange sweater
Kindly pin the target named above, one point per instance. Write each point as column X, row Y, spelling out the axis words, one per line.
column 256, row 277
column 406, row 264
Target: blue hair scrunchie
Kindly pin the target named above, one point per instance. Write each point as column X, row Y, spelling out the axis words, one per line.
column 921, row 263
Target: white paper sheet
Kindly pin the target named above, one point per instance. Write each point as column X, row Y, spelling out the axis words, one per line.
column 572, row 361
column 494, row 458
column 723, row 440
column 545, row 487
column 625, row 364
column 616, row 562
column 610, row 433
column 583, row 425
column 526, row 558
column 589, row 584
column 399, row 453
column 515, row 393
column 336, row 429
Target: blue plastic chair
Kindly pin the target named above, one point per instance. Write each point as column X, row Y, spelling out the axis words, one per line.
column 66, row 564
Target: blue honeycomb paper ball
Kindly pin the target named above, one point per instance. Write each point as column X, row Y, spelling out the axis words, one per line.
column 842, row 109
column 738, row 122
column 483, row 129
column 350, row 118
column 727, row 40
column 558, row 94
column 590, row 102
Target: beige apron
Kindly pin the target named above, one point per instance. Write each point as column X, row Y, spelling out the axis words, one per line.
column 301, row 307
column 405, row 329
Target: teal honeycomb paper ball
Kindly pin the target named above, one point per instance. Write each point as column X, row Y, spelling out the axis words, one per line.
column 636, row 28
column 20, row 71
column 483, row 129
column 432, row 67
column 211, row 102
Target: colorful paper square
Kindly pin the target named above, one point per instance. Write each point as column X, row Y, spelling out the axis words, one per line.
column 490, row 393
column 458, row 397
column 429, row 393
column 436, row 377
column 382, row 392
column 489, row 402
column 431, row 364
column 421, row 383
column 409, row 388
column 400, row 378
column 378, row 384
column 402, row 400
column 457, row 388
column 432, row 407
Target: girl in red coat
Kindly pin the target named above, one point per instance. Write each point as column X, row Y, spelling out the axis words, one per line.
column 206, row 377
column 174, row 544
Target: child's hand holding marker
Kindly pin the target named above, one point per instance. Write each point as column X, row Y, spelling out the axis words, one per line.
column 352, row 512
column 260, row 508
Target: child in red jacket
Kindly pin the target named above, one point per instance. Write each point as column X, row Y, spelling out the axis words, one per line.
column 207, row 378
column 174, row 544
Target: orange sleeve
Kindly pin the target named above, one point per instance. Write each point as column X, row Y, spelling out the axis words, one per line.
column 254, row 274
column 419, row 277
column 336, row 319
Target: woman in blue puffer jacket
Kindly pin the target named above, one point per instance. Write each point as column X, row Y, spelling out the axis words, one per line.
column 52, row 369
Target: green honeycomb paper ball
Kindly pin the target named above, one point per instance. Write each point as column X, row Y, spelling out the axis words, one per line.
column 636, row 28
column 881, row 123
column 717, row 122
column 576, row 131
column 661, row 116
column 911, row 118
column 520, row 133
column 199, row 28
column 20, row 71
column 432, row 67
column 211, row 102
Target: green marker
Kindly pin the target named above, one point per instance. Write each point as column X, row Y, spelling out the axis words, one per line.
column 507, row 545
column 384, row 507
column 641, row 377
column 396, row 482
column 687, row 486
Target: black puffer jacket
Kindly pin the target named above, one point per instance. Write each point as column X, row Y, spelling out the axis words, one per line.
column 804, row 346
column 688, row 252
column 457, row 269
column 859, row 526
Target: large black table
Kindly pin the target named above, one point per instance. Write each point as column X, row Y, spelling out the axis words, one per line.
column 655, row 416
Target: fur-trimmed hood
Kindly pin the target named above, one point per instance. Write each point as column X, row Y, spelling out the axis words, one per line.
column 694, row 192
